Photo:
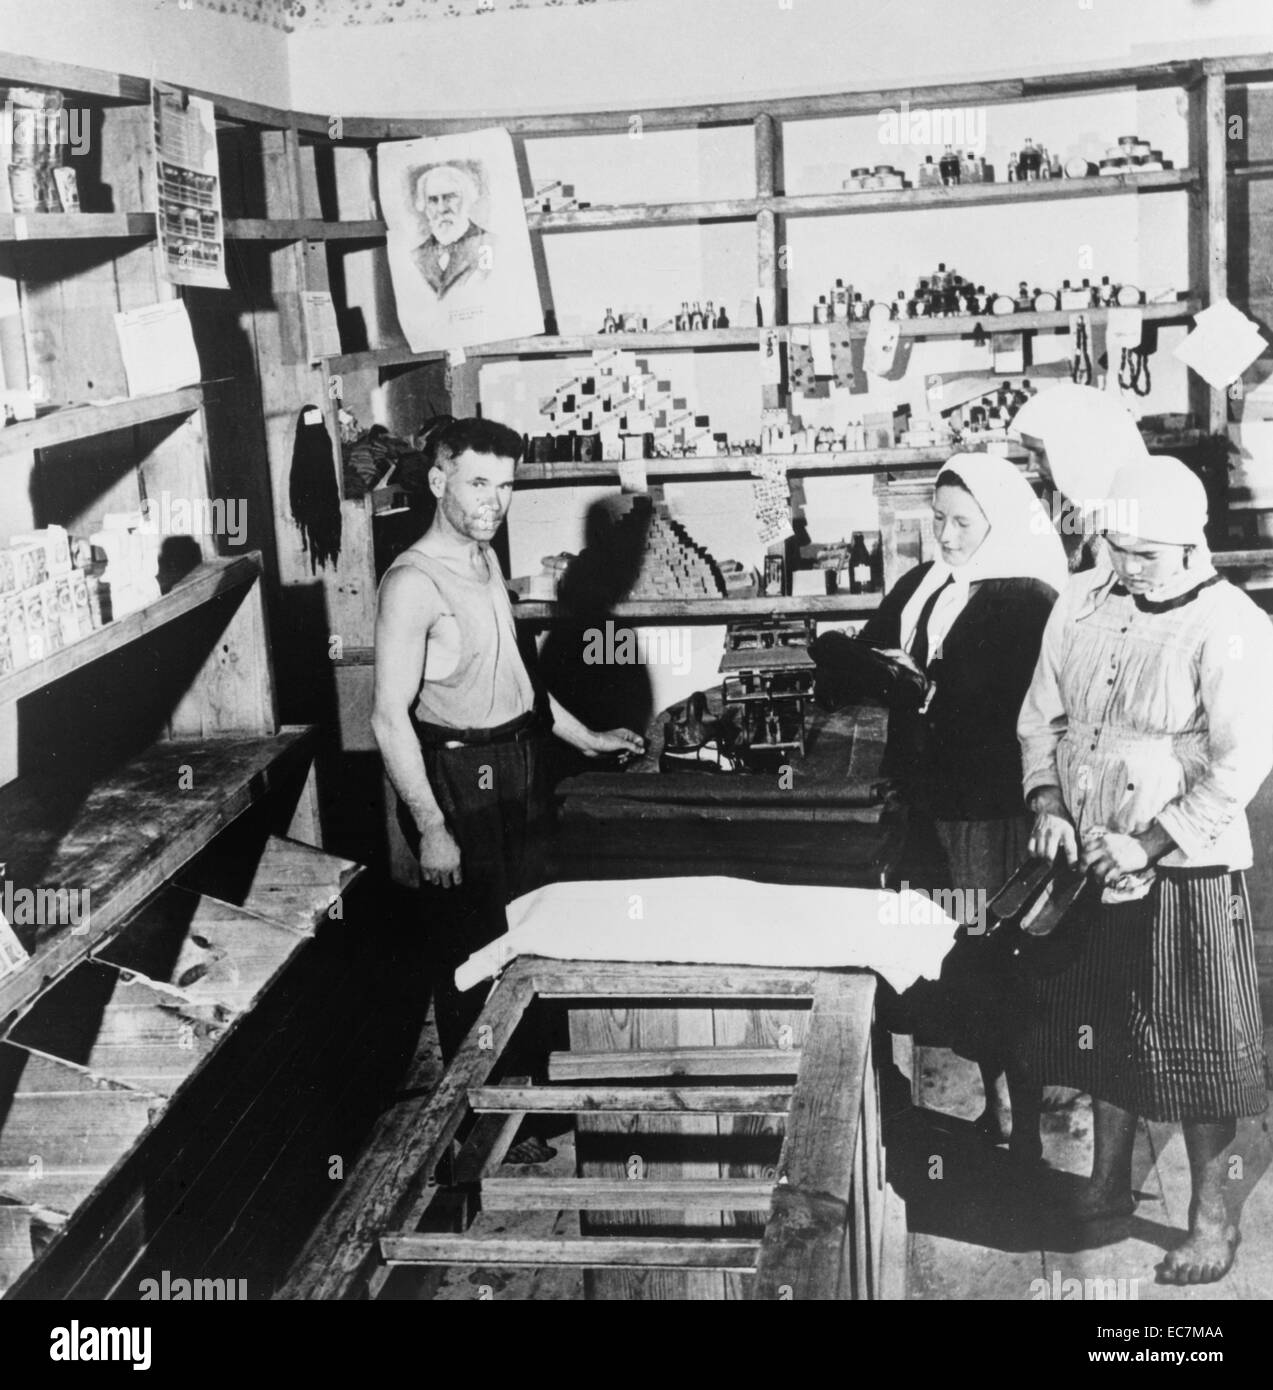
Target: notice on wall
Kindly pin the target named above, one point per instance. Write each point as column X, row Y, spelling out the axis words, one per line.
column 188, row 189
column 771, row 500
column 459, row 248
column 158, row 348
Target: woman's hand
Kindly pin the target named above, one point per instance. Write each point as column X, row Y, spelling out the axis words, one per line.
column 1108, row 856
column 1053, row 829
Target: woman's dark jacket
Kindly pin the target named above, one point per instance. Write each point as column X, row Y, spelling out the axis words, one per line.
column 964, row 760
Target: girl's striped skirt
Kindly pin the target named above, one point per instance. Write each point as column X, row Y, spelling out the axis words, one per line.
column 1160, row 1013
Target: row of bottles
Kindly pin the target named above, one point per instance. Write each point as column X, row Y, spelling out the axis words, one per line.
column 994, row 413
column 696, row 319
column 947, row 294
column 689, row 320
column 862, row 568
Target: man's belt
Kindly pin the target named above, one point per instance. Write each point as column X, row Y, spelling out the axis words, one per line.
column 520, row 730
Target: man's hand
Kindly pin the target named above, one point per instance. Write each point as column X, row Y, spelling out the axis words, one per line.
column 621, row 741
column 1053, row 829
column 439, row 857
column 1109, row 855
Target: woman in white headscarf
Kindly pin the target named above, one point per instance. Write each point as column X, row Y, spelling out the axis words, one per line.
column 1147, row 729
column 973, row 619
column 1078, row 438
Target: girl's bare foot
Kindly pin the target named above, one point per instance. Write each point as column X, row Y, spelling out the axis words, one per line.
column 1206, row 1254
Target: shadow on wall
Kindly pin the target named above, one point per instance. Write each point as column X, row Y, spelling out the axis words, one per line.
column 607, row 695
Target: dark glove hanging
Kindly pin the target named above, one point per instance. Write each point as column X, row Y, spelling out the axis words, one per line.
column 313, row 491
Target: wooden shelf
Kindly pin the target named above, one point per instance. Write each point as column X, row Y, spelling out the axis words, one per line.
column 959, row 326
column 712, row 610
column 211, row 578
column 842, row 203
column 84, row 421
column 76, row 226
column 869, row 101
column 851, row 461
column 1242, row 559
column 122, row 837
column 301, row 229
column 964, row 325
column 86, row 226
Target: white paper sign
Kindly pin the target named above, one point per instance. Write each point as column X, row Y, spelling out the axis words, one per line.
column 158, row 348
column 320, row 324
column 1223, row 344
column 459, row 249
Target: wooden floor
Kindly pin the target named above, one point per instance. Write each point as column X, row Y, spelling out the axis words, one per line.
column 978, row 1233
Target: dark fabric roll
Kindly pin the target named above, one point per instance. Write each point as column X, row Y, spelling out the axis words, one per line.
column 1160, row 1015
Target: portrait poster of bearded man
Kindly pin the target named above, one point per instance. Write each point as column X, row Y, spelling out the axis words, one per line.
column 459, row 250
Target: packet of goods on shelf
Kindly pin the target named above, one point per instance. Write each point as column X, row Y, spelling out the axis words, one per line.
column 37, row 635
column 8, row 577
column 30, row 565
column 68, row 616
column 15, row 625
column 53, row 640
column 56, row 545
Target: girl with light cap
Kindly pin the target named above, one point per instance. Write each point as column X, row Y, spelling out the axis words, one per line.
column 1146, row 731
column 1078, row 438
column 972, row 620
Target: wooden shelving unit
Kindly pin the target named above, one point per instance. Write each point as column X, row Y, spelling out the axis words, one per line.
column 145, row 754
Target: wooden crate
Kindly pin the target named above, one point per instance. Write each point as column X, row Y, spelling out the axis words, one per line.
column 821, row 1224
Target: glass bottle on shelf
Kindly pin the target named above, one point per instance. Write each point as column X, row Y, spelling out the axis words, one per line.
column 899, row 306
column 840, row 301
column 1105, row 292
column 820, row 309
column 949, row 166
column 859, row 308
column 608, row 324
column 859, row 565
column 682, row 321
column 722, row 319
column 1012, row 166
column 709, row 315
column 696, row 318
column 877, row 563
column 1029, row 163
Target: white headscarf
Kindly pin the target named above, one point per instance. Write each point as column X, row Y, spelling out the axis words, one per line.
column 1021, row 544
column 1088, row 435
column 1161, row 499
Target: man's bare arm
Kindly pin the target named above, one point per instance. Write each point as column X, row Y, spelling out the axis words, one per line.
column 403, row 618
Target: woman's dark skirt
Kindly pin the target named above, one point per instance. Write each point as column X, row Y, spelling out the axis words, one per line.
column 984, row 998
column 1160, row 1013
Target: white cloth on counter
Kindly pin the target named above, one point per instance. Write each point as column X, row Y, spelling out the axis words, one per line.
column 723, row 921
